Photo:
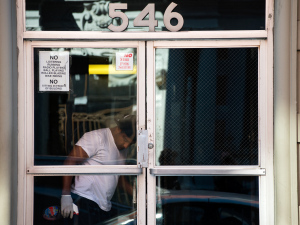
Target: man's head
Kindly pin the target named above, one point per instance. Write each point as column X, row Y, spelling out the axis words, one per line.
column 125, row 133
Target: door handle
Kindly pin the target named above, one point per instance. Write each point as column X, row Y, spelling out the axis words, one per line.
column 134, row 191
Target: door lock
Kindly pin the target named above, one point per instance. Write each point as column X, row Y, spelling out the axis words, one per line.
column 150, row 145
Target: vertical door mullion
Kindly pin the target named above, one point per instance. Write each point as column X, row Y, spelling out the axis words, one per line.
column 29, row 134
column 25, row 186
column 266, row 184
column 141, row 111
column 151, row 188
column 29, row 209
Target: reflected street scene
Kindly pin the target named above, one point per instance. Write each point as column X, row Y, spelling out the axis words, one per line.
column 47, row 202
column 93, row 15
column 85, row 113
column 99, row 95
column 207, row 200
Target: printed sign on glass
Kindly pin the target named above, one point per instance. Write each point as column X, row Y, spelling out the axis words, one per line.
column 54, row 71
column 124, row 61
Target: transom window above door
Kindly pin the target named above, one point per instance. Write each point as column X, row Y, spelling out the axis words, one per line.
column 205, row 15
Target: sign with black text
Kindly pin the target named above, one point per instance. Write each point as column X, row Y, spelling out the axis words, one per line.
column 53, row 71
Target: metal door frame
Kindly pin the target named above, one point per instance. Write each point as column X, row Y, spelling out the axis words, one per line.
column 27, row 169
column 264, row 169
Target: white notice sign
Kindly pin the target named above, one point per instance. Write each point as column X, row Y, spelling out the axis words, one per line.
column 54, row 71
column 124, row 61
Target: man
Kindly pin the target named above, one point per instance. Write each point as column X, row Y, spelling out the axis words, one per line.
column 92, row 193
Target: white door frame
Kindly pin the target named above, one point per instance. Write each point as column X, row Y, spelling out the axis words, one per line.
column 264, row 169
column 27, row 169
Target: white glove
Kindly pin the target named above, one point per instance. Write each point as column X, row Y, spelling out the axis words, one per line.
column 66, row 206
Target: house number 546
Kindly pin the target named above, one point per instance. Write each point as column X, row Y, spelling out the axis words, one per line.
column 139, row 21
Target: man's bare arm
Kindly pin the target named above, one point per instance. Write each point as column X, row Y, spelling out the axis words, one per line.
column 76, row 157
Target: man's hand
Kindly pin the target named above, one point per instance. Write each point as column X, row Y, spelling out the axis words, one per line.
column 66, row 206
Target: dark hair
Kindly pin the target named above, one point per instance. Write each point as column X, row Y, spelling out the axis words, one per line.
column 127, row 124
column 167, row 157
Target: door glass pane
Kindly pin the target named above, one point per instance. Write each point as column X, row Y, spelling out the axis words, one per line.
column 80, row 90
column 80, row 15
column 207, row 106
column 207, row 200
column 120, row 205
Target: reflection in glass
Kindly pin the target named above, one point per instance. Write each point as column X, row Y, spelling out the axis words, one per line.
column 47, row 201
column 207, row 200
column 86, row 15
column 206, row 106
column 99, row 95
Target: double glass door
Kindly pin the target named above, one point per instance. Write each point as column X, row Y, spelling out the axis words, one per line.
column 197, row 106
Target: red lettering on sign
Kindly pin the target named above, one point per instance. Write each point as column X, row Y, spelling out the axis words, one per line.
column 128, row 55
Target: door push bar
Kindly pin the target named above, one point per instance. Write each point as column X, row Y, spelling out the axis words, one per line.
column 142, row 162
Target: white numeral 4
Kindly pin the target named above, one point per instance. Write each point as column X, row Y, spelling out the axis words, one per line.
column 140, row 21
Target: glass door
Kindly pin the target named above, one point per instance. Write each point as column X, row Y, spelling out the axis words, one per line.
column 85, row 104
column 197, row 155
column 205, row 117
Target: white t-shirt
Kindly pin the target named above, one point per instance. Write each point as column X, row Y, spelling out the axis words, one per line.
column 102, row 150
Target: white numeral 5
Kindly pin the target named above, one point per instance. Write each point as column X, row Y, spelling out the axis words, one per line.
column 113, row 14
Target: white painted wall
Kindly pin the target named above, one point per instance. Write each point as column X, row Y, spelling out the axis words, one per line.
column 285, row 112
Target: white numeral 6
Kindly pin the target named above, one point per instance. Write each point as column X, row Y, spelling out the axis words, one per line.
column 169, row 15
